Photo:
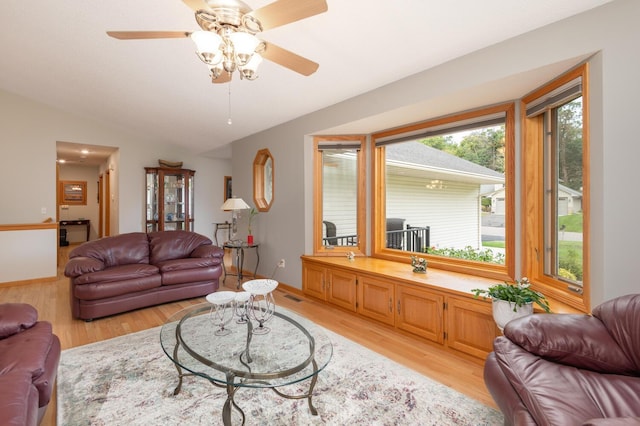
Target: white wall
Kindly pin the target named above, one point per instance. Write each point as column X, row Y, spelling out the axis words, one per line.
column 28, row 135
column 29, row 131
column 28, row 254
column 611, row 30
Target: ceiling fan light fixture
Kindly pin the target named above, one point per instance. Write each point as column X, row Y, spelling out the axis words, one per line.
column 216, row 71
column 244, row 45
column 250, row 70
column 208, row 46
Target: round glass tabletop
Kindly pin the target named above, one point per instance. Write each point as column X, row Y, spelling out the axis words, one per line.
column 293, row 350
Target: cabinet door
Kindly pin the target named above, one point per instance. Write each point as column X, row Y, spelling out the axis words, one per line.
column 341, row 289
column 420, row 312
column 313, row 280
column 470, row 326
column 375, row 299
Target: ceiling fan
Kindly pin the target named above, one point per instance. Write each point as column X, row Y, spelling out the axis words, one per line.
column 228, row 42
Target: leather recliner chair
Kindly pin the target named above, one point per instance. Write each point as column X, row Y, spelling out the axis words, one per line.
column 569, row 369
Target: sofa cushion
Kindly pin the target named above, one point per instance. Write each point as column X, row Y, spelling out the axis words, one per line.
column 165, row 246
column 187, row 263
column 127, row 284
column 557, row 394
column 118, row 250
column 16, row 317
column 27, row 351
column 19, row 399
column 117, row 273
column 197, row 275
column 588, row 346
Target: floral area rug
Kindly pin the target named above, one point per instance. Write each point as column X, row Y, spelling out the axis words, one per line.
column 129, row 381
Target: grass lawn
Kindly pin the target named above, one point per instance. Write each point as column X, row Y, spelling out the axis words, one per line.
column 571, row 223
column 496, row 244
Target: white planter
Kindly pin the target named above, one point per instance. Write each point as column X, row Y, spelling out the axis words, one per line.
column 503, row 312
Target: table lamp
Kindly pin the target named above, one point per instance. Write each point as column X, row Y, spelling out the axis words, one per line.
column 234, row 204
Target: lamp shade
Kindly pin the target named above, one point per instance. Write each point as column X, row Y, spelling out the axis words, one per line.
column 234, row 203
column 208, row 46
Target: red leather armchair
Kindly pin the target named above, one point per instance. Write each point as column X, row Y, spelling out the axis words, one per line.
column 566, row 369
column 29, row 357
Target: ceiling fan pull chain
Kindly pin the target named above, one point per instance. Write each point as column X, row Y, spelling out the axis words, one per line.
column 229, row 122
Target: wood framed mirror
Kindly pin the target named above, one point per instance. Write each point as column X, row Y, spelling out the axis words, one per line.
column 73, row 192
column 263, row 180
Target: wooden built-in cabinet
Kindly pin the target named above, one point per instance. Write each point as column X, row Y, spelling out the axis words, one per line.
column 389, row 292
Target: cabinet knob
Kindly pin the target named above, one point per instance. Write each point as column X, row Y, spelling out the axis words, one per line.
column 398, row 306
column 390, row 305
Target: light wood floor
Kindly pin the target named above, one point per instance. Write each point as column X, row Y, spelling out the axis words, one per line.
column 52, row 301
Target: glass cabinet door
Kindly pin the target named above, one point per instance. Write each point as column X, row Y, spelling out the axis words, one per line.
column 152, row 201
column 169, row 199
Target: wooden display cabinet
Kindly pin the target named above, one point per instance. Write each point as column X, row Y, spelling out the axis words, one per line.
column 169, row 199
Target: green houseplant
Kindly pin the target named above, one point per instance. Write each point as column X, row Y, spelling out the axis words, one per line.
column 513, row 300
column 253, row 212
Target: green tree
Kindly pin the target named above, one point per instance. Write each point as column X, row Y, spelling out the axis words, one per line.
column 443, row 143
column 569, row 121
column 484, row 147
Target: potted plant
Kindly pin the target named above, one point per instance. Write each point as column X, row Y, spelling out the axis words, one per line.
column 252, row 213
column 510, row 301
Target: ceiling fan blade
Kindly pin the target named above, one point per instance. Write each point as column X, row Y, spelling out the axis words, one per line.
column 289, row 59
column 141, row 35
column 282, row 12
column 222, row 78
column 195, row 5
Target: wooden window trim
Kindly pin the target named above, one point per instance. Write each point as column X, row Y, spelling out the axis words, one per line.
column 378, row 202
column 533, row 203
column 318, row 248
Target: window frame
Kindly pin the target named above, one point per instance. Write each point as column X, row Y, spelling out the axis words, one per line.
column 320, row 249
column 378, row 222
column 533, row 212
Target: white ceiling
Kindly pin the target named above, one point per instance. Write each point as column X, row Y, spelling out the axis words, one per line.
column 57, row 52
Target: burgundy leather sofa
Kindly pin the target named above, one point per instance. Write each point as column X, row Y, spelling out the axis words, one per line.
column 569, row 369
column 130, row 271
column 29, row 357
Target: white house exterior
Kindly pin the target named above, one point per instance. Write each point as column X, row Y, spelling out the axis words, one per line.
column 569, row 201
column 425, row 187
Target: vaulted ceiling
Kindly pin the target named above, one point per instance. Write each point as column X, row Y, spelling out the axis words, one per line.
column 58, row 53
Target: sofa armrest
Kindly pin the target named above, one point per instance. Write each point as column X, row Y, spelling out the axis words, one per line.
column 82, row 265
column 208, row 250
column 16, row 317
column 580, row 341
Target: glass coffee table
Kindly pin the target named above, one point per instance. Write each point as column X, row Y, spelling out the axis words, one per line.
column 294, row 350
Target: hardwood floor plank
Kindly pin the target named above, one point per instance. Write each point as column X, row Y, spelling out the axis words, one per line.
column 462, row 373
